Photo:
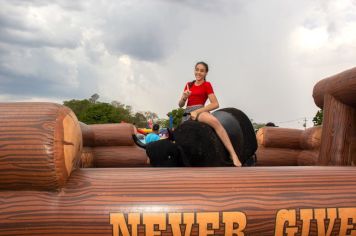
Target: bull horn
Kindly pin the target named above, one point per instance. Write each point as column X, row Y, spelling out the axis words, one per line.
column 170, row 134
column 138, row 142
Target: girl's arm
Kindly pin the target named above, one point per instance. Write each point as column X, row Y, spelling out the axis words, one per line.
column 184, row 97
column 182, row 100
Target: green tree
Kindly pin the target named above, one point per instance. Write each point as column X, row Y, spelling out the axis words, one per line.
column 94, row 98
column 177, row 115
column 163, row 123
column 151, row 115
column 91, row 111
column 79, row 107
column 117, row 104
column 139, row 120
column 102, row 113
column 257, row 126
column 318, row 118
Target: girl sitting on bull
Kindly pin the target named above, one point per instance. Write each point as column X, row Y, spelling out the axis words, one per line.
column 194, row 96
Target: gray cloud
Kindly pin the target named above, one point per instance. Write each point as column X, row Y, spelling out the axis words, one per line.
column 33, row 39
column 23, row 74
column 40, row 72
column 65, row 4
column 216, row 7
column 149, row 32
column 35, row 26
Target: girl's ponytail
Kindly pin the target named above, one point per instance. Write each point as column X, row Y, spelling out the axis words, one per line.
column 190, row 84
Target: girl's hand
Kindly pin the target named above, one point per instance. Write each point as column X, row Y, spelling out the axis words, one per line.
column 186, row 93
column 193, row 115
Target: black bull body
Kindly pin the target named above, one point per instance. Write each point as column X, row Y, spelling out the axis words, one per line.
column 197, row 144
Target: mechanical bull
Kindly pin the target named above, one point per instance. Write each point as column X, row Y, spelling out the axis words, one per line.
column 196, row 144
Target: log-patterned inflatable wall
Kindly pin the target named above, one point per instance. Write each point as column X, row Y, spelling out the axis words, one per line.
column 40, row 144
column 337, row 96
column 113, row 134
column 310, row 142
column 288, row 147
column 111, row 145
column 208, row 201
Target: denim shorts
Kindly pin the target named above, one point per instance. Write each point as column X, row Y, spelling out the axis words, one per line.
column 188, row 110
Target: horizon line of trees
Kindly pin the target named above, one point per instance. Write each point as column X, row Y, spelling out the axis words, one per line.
column 91, row 111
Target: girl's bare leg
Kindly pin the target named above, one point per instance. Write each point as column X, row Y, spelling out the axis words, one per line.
column 211, row 120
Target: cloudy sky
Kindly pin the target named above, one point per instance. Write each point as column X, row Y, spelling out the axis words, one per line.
column 264, row 56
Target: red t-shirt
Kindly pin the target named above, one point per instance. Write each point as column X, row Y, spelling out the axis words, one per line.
column 199, row 93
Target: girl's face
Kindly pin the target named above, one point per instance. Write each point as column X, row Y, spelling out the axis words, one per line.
column 200, row 72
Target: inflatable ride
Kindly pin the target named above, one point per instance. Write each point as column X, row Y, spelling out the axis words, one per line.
column 59, row 176
column 144, row 131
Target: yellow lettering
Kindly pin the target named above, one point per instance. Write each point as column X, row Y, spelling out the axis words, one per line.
column 203, row 219
column 134, row 221
column 175, row 219
column 231, row 218
column 152, row 219
column 306, row 215
column 188, row 219
column 119, row 223
column 345, row 214
column 320, row 216
column 286, row 216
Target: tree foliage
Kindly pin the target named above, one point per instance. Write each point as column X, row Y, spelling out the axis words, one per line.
column 94, row 98
column 139, row 120
column 79, row 107
column 102, row 113
column 257, row 126
column 91, row 111
column 177, row 115
column 318, row 118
